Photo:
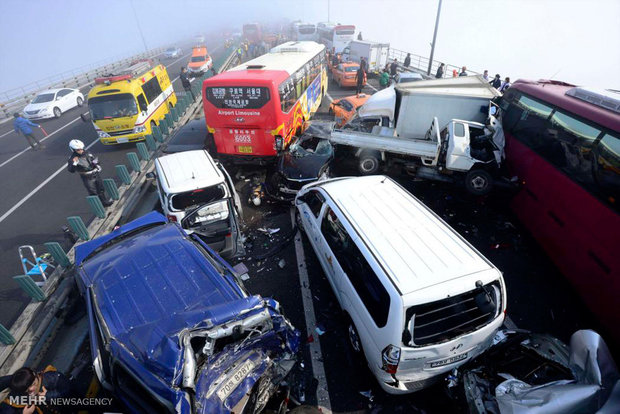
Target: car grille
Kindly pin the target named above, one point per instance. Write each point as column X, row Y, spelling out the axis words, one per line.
column 117, row 133
column 32, row 112
column 446, row 319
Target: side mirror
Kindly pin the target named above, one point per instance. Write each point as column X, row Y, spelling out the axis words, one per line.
column 85, row 117
column 150, row 176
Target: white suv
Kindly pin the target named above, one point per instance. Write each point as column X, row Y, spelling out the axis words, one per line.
column 197, row 192
column 420, row 299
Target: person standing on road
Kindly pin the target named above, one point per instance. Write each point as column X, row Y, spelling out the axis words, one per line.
column 485, row 75
column 186, row 83
column 497, row 82
column 360, row 77
column 87, row 165
column 394, row 68
column 407, row 60
column 463, row 71
column 23, row 126
column 364, row 64
column 505, row 85
column 440, row 70
column 384, row 80
column 359, row 36
column 213, row 71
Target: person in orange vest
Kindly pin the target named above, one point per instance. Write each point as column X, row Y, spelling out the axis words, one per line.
column 454, row 73
column 38, row 387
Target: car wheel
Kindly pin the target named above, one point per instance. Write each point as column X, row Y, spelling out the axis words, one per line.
column 478, row 182
column 368, row 164
column 354, row 338
column 80, row 101
column 57, row 112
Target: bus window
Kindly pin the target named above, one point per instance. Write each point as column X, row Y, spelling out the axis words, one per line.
column 151, row 89
column 607, row 167
column 576, row 139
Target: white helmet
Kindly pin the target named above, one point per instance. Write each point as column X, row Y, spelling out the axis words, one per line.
column 76, row 144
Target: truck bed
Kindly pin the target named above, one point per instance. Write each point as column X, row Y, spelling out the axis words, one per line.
column 422, row 148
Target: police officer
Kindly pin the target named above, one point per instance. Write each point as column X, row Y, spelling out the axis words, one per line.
column 87, row 165
column 186, row 83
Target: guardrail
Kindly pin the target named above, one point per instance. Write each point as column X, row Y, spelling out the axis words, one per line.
column 421, row 63
column 37, row 326
column 16, row 99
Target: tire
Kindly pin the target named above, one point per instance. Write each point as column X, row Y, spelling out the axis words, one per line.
column 80, row 101
column 368, row 164
column 57, row 112
column 478, row 182
column 354, row 339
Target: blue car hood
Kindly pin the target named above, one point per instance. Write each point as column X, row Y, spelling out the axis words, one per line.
column 83, row 250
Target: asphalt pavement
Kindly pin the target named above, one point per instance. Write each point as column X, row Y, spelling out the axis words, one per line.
column 38, row 194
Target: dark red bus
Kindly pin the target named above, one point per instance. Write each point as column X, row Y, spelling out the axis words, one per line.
column 252, row 32
column 563, row 141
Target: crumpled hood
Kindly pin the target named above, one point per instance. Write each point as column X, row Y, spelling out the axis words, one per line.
column 302, row 168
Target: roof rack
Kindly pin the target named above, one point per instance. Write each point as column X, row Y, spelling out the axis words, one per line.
column 137, row 68
column 603, row 98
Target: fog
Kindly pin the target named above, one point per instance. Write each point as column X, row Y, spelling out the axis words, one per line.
column 572, row 40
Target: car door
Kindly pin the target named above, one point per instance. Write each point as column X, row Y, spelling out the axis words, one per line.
column 310, row 207
column 65, row 99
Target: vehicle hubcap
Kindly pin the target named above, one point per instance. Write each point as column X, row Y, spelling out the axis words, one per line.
column 479, row 183
column 355, row 342
column 57, row 112
column 368, row 165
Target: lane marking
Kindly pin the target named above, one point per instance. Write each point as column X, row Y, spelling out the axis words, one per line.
column 37, row 188
column 41, row 140
column 329, row 97
column 318, row 370
column 7, row 133
column 371, row 87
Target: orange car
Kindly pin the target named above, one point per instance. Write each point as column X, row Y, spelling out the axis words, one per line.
column 200, row 62
column 344, row 74
column 344, row 108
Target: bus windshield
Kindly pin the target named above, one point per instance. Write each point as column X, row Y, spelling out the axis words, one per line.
column 112, row 106
column 306, row 29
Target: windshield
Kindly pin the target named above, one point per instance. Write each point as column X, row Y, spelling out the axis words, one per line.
column 351, row 68
column 306, row 29
column 112, row 106
column 345, row 32
column 183, row 201
column 44, row 97
column 307, row 144
column 198, row 58
column 170, row 49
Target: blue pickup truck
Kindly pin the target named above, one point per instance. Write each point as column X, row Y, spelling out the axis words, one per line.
column 172, row 329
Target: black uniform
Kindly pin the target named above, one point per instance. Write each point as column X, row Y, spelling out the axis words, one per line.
column 186, row 83
column 88, row 168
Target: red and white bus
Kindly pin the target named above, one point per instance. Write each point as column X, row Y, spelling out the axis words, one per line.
column 253, row 110
column 335, row 36
column 252, row 32
column 563, row 141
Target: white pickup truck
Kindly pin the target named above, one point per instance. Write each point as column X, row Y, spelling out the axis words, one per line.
column 462, row 151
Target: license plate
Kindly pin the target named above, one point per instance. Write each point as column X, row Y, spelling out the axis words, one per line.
column 449, row 361
column 235, row 379
column 122, row 140
column 245, row 149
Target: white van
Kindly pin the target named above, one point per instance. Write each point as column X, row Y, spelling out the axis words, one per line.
column 420, row 299
column 197, row 192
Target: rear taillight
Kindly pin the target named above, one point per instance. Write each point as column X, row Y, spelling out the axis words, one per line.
column 390, row 357
column 172, row 219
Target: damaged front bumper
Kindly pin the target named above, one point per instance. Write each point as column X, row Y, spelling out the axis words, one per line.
column 238, row 366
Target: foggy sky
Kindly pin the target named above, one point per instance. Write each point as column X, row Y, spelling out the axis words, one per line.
column 576, row 40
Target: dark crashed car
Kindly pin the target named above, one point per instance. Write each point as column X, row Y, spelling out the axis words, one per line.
column 306, row 160
column 172, row 328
